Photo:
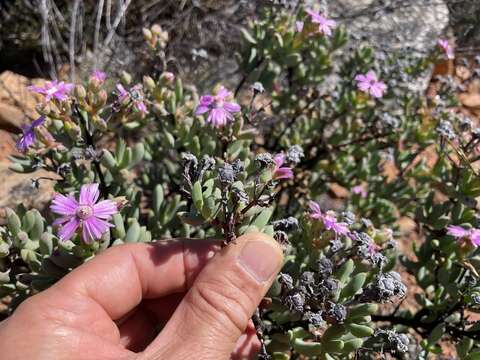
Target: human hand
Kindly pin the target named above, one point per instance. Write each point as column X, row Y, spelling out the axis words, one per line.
column 113, row 306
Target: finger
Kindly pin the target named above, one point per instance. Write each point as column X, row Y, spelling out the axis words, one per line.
column 138, row 330
column 118, row 279
column 247, row 345
column 163, row 308
column 113, row 284
column 216, row 310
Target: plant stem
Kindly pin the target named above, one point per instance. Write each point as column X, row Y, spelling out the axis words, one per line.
column 89, row 142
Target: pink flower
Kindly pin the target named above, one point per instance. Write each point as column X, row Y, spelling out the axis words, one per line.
column 447, row 48
column 220, row 111
column 459, row 232
column 329, row 219
column 369, row 83
column 299, row 26
column 359, row 190
column 88, row 215
column 324, row 25
column 53, row 89
column 98, row 76
column 122, row 94
column 29, row 137
column 280, row 172
column 168, row 76
column 315, row 211
column 135, row 95
column 373, row 248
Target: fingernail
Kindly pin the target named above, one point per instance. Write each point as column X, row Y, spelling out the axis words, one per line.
column 260, row 259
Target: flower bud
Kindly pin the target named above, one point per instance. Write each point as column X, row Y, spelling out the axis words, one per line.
column 101, row 99
column 80, row 92
column 147, row 34
column 72, row 129
column 126, row 78
column 159, row 109
column 99, row 123
column 4, row 249
column 167, row 78
column 22, row 237
column 121, row 202
column 156, row 29
column 149, row 83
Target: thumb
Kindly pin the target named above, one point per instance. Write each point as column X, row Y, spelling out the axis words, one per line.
column 216, row 310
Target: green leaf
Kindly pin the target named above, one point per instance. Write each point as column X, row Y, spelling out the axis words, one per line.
column 38, row 227
column 360, row 330
column 13, row 222
column 138, row 152
column 333, row 332
column 235, row 148
column 197, row 196
column 108, row 160
column 120, row 149
column 293, row 59
column 436, row 334
column 247, row 36
column 361, row 310
column 351, row 345
column 307, row 348
column 28, row 221
column 464, row 347
column 119, row 229
column 473, row 356
column 345, row 271
column 158, row 197
column 353, row 286
column 191, row 218
column 46, row 243
column 126, row 160
column 133, row 233
column 209, row 207
column 333, row 346
column 262, row 218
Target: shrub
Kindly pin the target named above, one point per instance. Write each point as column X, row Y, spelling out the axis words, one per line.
column 317, row 111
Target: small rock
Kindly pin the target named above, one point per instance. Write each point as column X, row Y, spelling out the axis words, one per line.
column 17, row 104
column 470, row 100
column 17, row 188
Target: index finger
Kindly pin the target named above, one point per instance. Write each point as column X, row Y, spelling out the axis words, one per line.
column 122, row 276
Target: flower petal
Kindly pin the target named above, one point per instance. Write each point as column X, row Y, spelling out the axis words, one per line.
column 89, row 194
column 38, row 122
column 68, row 230
column 201, row 109
column 364, row 86
column 283, row 173
column 62, row 220
column 457, row 231
column 315, row 209
column 475, row 237
column 314, row 15
column 377, row 89
column 299, row 26
column 361, row 78
column 371, row 76
column 232, row 107
column 64, row 205
column 223, row 93
column 94, row 228
column 217, row 117
column 105, row 209
column 279, row 159
column 206, row 100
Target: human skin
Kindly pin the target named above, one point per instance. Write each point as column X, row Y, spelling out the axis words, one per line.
column 201, row 296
